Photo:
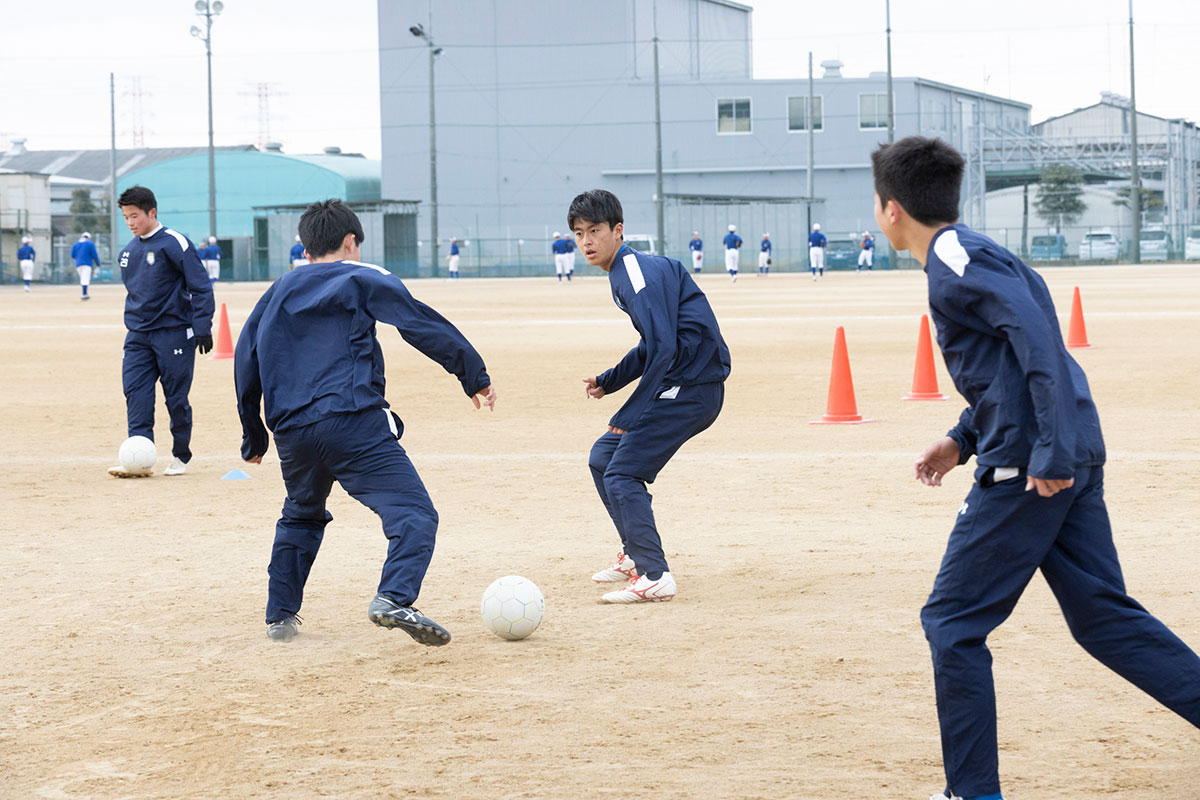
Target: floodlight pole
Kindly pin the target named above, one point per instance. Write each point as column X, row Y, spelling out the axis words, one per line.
column 419, row 31
column 891, row 111
column 1135, row 178
column 809, row 120
column 209, row 9
column 114, row 215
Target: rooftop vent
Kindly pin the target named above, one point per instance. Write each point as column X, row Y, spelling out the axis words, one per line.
column 333, row 151
column 18, row 147
column 832, row 67
column 273, row 147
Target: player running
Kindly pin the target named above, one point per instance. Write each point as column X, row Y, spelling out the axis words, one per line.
column 732, row 243
column 682, row 362
column 85, row 256
column 816, row 251
column 1038, row 498
column 309, row 354
column 168, row 311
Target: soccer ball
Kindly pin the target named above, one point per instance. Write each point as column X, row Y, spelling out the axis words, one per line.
column 512, row 607
column 137, row 454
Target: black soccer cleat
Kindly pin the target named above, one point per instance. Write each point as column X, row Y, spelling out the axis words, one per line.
column 387, row 613
column 285, row 629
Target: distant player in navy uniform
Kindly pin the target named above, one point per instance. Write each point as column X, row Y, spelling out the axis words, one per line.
column 452, row 259
column 26, row 255
column 211, row 256
column 764, row 255
column 310, row 353
column 696, row 245
column 296, row 257
column 816, row 251
column 86, row 258
column 867, row 253
column 1038, row 499
column 732, row 243
column 682, row 362
column 168, row 311
column 559, row 248
column 570, row 256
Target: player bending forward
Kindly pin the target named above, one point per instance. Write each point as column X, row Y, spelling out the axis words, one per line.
column 682, row 362
column 1038, row 499
column 309, row 352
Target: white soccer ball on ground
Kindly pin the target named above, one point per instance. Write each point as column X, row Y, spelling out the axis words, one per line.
column 512, row 607
column 137, row 454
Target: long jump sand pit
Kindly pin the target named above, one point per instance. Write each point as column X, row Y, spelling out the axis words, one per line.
column 791, row 665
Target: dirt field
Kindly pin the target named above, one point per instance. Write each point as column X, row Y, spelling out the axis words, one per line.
column 791, row 665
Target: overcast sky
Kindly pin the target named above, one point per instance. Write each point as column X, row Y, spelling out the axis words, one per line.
column 316, row 61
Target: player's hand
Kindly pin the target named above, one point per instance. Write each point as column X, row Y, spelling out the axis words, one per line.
column 488, row 397
column 617, row 431
column 1048, row 487
column 255, row 460
column 938, row 459
column 592, row 389
column 204, row 344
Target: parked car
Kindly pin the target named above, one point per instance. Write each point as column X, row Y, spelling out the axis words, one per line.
column 1155, row 244
column 1100, row 245
column 1048, row 247
column 642, row 242
column 1191, row 245
column 841, row 252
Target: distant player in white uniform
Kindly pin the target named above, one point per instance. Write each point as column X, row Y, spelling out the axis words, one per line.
column 764, row 255
column 212, row 259
column 867, row 254
column 452, row 259
column 816, row 251
column 85, row 256
column 570, row 240
column 297, row 254
column 732, row 243
column 26, row 255
column 559, row 248
column 696, row 245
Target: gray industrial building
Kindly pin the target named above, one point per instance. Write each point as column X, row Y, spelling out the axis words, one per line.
column 533, row 108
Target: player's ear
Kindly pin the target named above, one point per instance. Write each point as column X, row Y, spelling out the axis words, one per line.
column 619, row 229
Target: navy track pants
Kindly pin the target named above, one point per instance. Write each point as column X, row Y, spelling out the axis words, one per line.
column 167, row 355
column 360, row 451
column 622, row 465
column 1003, row 535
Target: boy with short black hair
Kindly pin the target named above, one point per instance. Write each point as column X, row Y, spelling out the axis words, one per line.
column 168, row 312
column 682, row 362
column 309, row 353
column 1038, row 498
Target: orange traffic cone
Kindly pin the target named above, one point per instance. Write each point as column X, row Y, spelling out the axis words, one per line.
column 224, row 347
column 924, row 385
column 840, row 408
column 1077, row 333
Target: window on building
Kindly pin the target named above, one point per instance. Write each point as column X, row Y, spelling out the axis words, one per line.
column 797, row 108
column 934, row 114
column 733, row 116
column 872, row 110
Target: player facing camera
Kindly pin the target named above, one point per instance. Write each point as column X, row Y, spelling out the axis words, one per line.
column 598, row 224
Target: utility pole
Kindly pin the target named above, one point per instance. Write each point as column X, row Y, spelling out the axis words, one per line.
column 891, row 110
column 809, row 120
column 419, row 31
column 1135, row 178
column 114, row 215
column 658, row 180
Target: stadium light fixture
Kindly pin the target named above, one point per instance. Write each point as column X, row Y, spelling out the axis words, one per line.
column 417, row 30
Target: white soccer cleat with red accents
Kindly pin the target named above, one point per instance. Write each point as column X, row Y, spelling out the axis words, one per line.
column 644, row 590
column 622, row 571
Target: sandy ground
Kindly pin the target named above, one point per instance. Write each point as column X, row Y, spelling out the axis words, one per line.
column 792, row 664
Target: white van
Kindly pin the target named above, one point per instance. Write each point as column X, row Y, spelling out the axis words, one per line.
column 642, row 242
column 1099, row 245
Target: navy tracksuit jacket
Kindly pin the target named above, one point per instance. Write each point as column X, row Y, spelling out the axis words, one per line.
column 682, row 362
column 1030, row 413
column 309, row 353
column 168, row 302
